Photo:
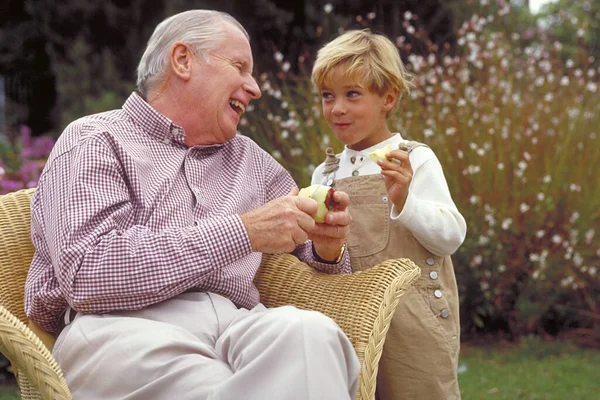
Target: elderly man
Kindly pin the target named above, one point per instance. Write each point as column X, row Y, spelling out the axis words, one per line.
column 149, row 223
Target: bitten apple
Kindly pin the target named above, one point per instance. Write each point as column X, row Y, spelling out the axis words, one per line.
column 379, row 154
column 323, row 195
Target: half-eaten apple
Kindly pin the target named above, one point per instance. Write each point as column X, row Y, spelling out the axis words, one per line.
column 323, row 195
column 379, row 154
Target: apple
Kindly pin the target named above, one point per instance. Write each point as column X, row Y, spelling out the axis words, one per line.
column 379, row 154
column 323, row 195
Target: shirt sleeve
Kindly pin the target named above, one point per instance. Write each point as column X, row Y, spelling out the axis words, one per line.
column 318, row 177
column 103, row 257
column 429, row 212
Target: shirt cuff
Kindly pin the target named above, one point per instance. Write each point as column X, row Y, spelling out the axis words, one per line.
column 305, row 253
column 226, row 239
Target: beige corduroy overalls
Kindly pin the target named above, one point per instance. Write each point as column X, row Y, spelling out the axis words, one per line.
column 420, row 354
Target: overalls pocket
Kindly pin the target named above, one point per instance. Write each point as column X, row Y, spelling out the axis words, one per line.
column 437, row 311
column 370, row 238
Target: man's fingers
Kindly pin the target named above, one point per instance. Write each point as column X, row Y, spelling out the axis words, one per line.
column 306, row 205
column 329, row 231
column 342, row 199
column 294, row 191
column 306, row 222
column 299, row 236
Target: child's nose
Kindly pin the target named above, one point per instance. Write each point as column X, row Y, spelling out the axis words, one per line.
column 338, row 108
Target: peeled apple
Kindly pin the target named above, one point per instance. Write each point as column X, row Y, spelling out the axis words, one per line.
column 379, row 154
column 323, row 195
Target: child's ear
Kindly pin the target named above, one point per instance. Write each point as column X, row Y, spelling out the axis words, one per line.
column 390, row 98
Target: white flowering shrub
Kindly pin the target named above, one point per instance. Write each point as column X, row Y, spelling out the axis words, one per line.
column 517, row 130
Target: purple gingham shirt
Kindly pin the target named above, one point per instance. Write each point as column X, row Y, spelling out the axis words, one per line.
column 126, row 215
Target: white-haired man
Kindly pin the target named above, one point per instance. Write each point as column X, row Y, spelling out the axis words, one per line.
column 149, row 223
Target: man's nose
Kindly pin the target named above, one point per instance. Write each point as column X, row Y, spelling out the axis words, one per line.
column 251, row 87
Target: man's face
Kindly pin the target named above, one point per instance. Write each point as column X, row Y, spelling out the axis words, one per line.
column 220, row 90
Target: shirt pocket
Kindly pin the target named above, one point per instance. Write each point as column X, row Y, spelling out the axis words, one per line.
column 370, row 228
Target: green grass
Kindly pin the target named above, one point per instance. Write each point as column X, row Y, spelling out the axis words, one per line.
column 8, row 393
column 532, row 370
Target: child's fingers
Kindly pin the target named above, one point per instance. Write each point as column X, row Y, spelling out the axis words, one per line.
column 399, row 155
column 395, row 165
column 398, row 176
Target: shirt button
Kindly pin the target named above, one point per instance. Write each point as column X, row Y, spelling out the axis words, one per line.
column 445, row 313
column 352, row 159
column 384, row 199
column 433, row 275
column 330, row 182
column 438, row 293
column 430, row 261
column 354, row 173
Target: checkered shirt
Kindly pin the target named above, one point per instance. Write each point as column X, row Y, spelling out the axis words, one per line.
column 126, row 215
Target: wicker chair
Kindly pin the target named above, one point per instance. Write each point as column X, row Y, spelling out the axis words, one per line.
column 362, row 304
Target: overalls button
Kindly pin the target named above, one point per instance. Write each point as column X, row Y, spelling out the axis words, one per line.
column 330, row 182
column 430, row 261
column 445, row 313
column 433, row 275
column 438, row 293
column 384, row 199
column 354, row 173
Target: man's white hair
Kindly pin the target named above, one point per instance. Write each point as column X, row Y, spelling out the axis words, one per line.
column 203, row 30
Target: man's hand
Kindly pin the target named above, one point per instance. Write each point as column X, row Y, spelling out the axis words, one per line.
column 280, row 225
column 329, row 237
column 397, row 173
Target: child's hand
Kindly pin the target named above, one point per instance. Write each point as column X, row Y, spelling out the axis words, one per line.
column 397, row 173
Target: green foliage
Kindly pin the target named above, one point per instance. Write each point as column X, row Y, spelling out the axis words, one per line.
column 574, row 23
column 88, row 87
column 516, row 130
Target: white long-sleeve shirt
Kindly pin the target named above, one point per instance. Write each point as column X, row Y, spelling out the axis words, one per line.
column 429, row 212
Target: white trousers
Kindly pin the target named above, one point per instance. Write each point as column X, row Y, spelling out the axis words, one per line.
column 201, row 346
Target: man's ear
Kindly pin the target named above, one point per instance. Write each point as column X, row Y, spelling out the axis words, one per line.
column 181, row 60
column 390, row 98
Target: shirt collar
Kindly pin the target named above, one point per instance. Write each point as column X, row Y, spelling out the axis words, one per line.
column 151, row 121
column 393, row 142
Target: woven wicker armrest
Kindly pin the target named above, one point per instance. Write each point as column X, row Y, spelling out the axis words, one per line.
column 31, row 358
column 361, row 303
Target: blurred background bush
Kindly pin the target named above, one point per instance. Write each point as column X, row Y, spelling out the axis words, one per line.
column 508, row 99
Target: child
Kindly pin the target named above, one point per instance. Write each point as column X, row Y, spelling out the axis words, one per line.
column 401, row 207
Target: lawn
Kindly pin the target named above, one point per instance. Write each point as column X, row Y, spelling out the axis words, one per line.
column 533, row 370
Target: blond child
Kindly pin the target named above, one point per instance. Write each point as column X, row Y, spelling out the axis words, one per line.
column 401, row 207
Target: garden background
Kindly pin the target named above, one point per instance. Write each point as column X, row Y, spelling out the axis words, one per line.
column 508, row 99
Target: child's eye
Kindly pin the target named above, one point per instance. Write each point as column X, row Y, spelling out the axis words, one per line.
column 326, row 95
column 353, row 93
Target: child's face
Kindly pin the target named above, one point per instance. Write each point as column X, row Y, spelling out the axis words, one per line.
column 356, row 115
